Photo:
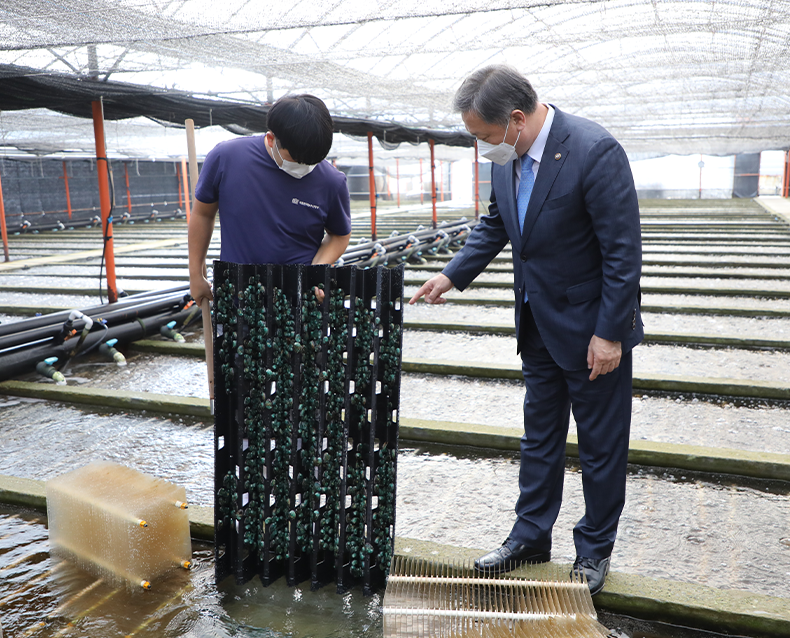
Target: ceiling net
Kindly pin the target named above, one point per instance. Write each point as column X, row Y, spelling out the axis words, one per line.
column 697, row 76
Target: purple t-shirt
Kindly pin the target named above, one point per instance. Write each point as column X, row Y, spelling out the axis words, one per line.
column 267, row 216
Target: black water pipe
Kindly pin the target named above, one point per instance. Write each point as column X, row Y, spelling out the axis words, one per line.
column 404, row 246
column 46, row 222
column 25, row 360
column 94, row 312
column 54, row 331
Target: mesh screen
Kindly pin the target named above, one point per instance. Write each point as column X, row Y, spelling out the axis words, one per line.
column 664, row 77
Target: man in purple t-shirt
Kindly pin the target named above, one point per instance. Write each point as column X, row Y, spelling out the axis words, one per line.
column 280, row 202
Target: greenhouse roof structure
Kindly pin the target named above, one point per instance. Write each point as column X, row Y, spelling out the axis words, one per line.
column 664, row 76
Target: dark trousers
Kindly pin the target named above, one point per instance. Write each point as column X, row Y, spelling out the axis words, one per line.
column 602, row 410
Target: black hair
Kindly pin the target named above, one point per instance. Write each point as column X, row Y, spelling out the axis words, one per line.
column 303, row 126
column 494, row 92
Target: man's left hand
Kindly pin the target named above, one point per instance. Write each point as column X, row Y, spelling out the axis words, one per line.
column 603, row 356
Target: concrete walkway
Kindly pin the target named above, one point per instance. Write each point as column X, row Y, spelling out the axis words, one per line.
column 775, row 204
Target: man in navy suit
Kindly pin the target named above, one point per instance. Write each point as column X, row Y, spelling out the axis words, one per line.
column 563, row 195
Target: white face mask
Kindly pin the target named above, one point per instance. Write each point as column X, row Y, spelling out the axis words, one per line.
column 498, row 153
column 294, row 169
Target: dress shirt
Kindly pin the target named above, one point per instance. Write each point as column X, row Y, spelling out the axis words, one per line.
column 536, row 150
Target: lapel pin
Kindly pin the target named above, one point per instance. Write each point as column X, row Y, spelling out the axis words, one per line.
column 558, row 156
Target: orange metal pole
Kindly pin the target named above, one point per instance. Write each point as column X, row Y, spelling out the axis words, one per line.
column 477, row 184
column 185, row 180
column 421, row 187
column 433, row 182
column 180, row 193
column 128, row 192
column 372, row 188
column 103, row 169
column 3, row 230
column 397, row 178
column 66, row 184
column 786, row 188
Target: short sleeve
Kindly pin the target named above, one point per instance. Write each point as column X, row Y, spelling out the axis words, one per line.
column 207, row 189
column 338, row 218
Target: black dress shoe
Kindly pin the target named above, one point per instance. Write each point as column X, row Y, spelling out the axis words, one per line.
column 595, row 571
column 509, row 556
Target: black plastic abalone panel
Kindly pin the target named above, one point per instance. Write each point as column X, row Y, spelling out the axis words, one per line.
column 306, row 422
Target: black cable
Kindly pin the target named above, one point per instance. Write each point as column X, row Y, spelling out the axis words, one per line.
column 99, row 341
column 78, row 353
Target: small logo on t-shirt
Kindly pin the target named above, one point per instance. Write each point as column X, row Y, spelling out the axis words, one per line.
column 299, row 202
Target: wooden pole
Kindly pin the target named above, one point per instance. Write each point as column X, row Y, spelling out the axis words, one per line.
column 3, row 230
column 193, row 165
column 128, row 191
column 205, row 307
column 433, row 182
column 185, row 181
column 103, row 169
column 397, row 178
column 66, row 184
column 372, row 188
column 477, row 184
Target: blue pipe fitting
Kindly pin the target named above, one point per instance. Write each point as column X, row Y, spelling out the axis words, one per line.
column 109, row 351
column 45, row 369
column 169, row 331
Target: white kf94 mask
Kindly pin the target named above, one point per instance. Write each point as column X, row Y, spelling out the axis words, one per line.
column 294, row 169
column 498, row 153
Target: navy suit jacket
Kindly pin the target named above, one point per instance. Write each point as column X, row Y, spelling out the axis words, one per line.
column 580, row 254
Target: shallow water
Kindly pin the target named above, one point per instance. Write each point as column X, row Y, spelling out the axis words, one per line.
column 156, row 282
column 723, row 271
column 185, row 604
column 37, row 300
column 502, row 295
column 714, row 422
column 69, row 601
column 159, row 374
column 744, row 327
column 769, row 256
column 456, row 313
column 708, row 420
column 714, row 279
column 747, row 327
column 42, row 440
column 10, row 318
column 674, row 525
column 704, row 301
column 91, row 267
column 671, row 360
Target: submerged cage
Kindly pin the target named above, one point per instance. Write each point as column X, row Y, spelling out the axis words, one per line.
column 306, row 422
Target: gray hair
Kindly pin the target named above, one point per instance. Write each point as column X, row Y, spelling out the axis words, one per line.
column 494, row 92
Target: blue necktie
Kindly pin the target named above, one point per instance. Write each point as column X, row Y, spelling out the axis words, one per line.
column 522, row 198
column 524, row 189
